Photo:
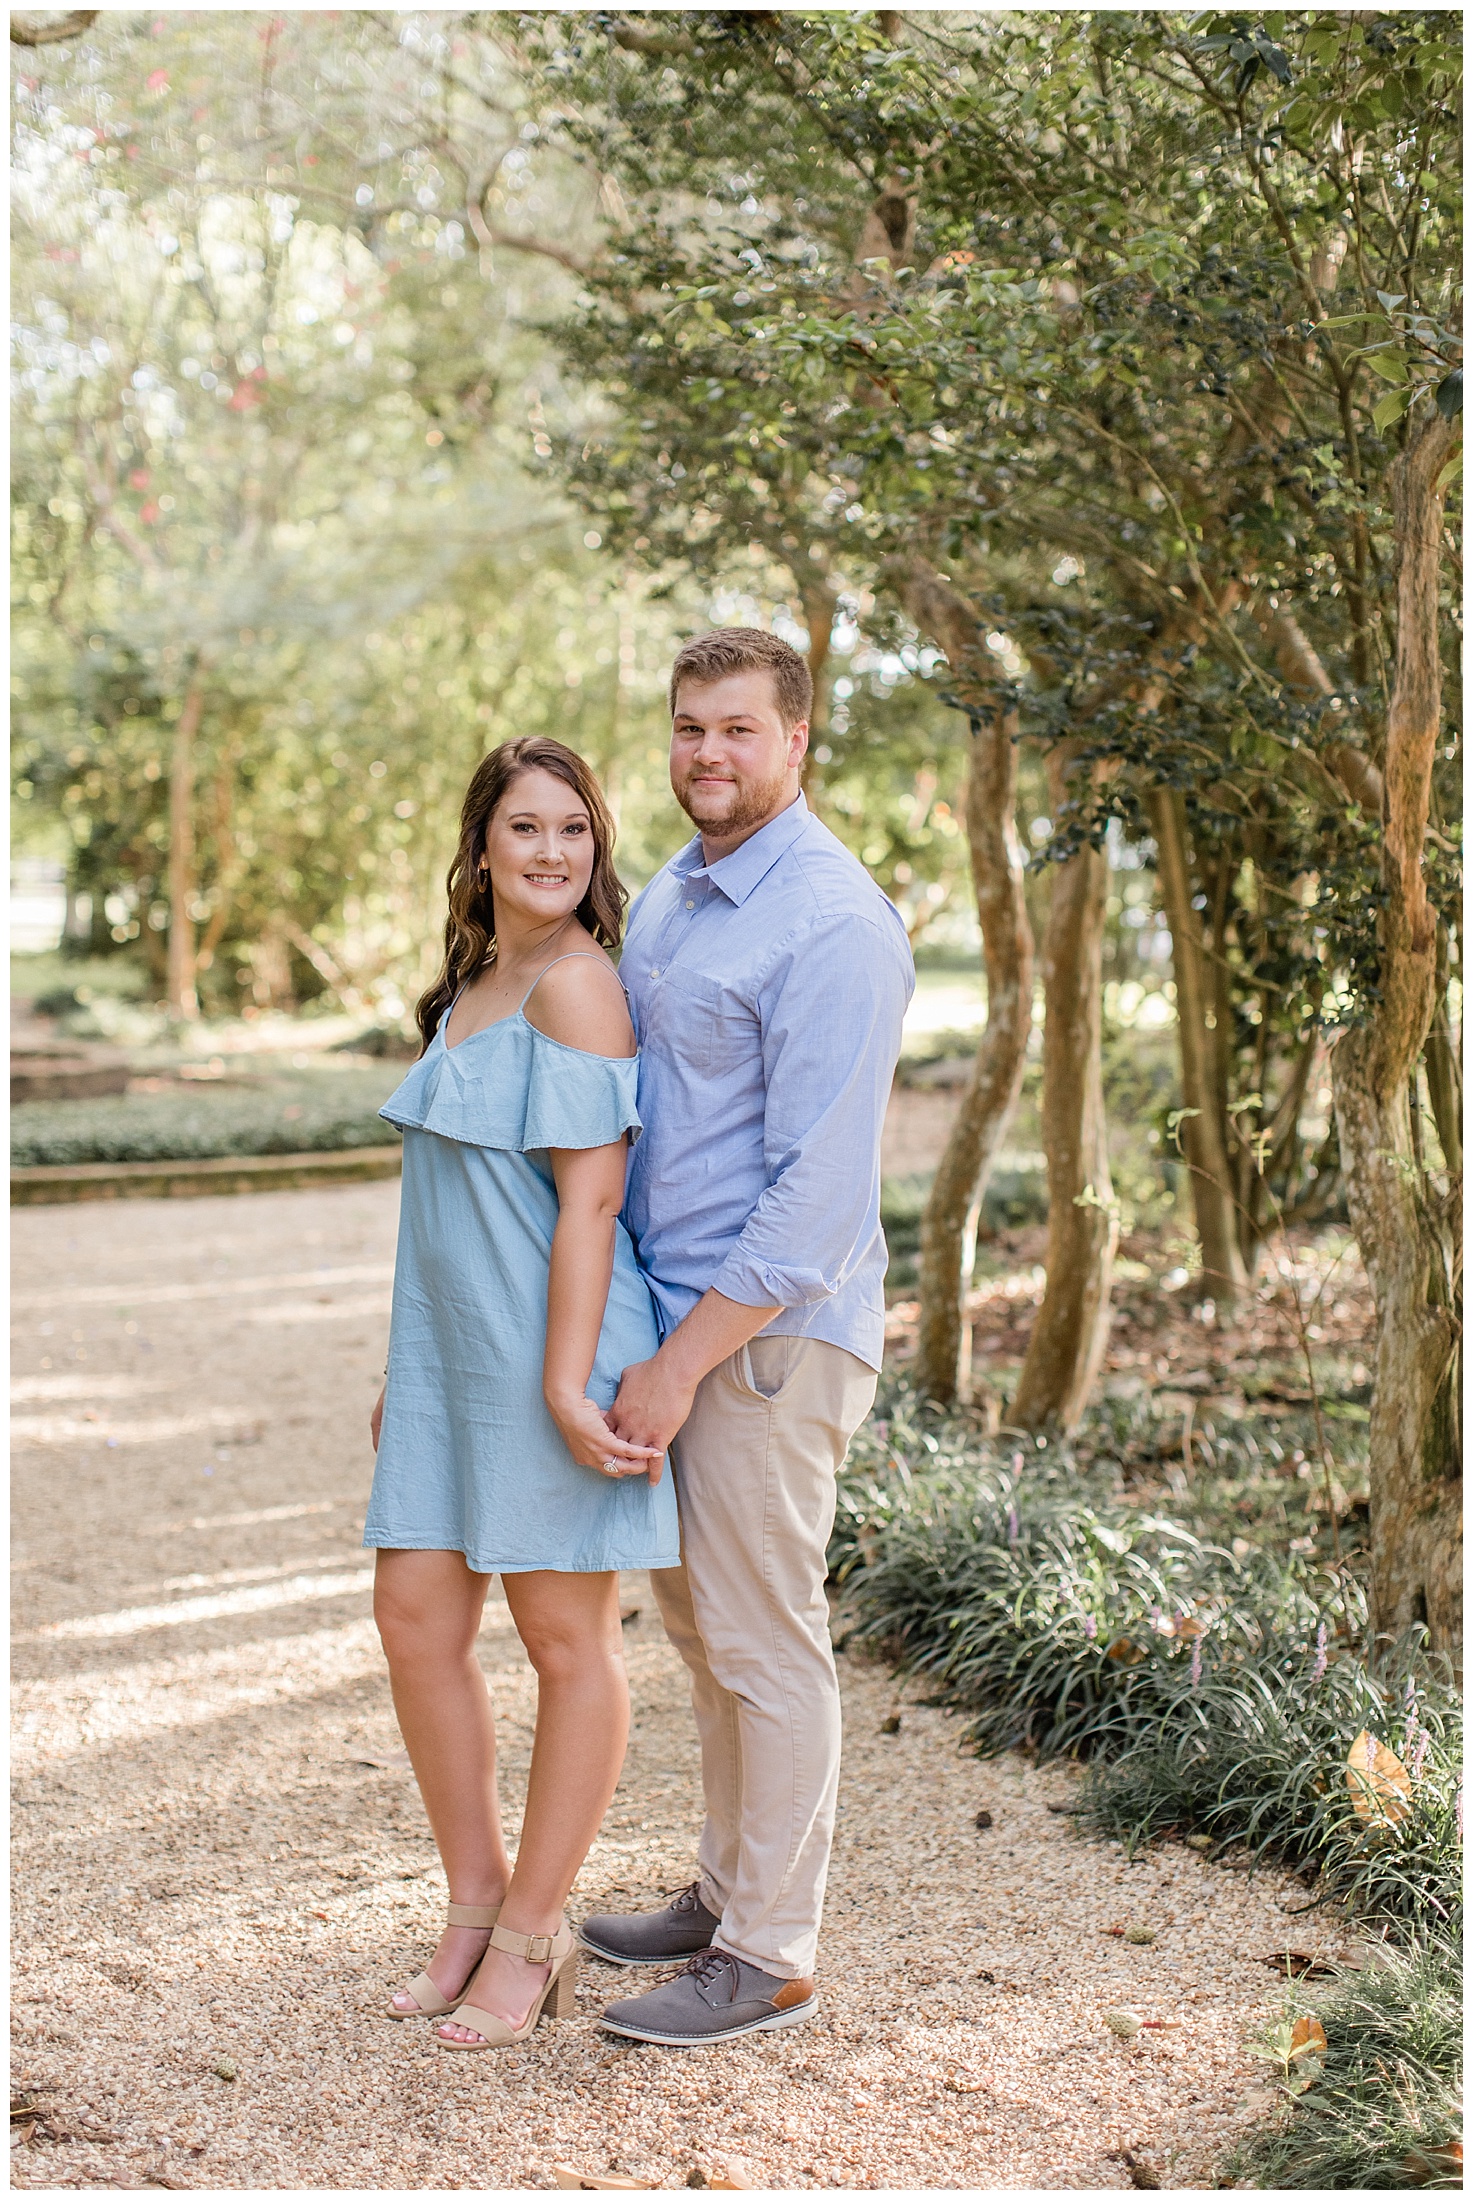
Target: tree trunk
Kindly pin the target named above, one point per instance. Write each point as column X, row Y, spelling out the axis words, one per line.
column 1444, row 1078
column 819, row 606
column 1405, row 1232
column 1007, row 952
column 997, row 1074
column 1224, row 1274
column 1068, row 1340
column 182, row 997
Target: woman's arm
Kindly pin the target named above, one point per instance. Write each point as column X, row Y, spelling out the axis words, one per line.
column 581, row 1004
column 590, row 1190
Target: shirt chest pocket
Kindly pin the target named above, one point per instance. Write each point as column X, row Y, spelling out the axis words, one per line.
column 704, row 1025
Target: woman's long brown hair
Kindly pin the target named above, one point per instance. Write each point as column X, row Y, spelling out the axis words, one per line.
column 470, row 928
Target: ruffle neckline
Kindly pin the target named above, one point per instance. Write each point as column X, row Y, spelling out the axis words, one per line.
column 523, row 1093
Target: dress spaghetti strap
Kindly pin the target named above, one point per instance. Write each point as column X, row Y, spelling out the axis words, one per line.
column 577, row 955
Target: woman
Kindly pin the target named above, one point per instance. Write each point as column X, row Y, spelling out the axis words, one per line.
column 517, row 1304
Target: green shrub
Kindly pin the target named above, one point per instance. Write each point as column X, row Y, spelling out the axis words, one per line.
column 1384, row 2111
column 1212, row 1691
column 314, row 1112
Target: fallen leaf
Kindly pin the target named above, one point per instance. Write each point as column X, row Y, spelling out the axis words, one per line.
column 1124, row 2023
column 1380, row 1785
column 891, row 1725
column 983, row 1821
column 1307, row 2038
column 734, row 2175
column 1139, row 1936
column 223, row 2067
column 1199, row 1841
column 1443, row 2163
column 396, row 1761
column 1124, row 1651
column 955, row 2084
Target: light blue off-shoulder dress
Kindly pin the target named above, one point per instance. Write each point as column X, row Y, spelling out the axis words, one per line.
column 469, row 1458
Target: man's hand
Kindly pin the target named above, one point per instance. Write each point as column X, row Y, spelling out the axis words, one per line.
column 588, row 1436
column 653, row 1405
column 655, row 1396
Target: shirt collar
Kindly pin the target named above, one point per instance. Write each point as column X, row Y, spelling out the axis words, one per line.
column 746, row 866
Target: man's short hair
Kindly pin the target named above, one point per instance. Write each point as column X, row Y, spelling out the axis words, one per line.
column 728, row 649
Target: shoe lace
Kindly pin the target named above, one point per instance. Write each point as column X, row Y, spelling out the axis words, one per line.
column 688, row 1900
column 709, row 1963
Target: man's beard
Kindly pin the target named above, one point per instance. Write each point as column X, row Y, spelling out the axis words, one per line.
column 754, row 804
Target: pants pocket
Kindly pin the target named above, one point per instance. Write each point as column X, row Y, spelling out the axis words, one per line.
column 765, row 1363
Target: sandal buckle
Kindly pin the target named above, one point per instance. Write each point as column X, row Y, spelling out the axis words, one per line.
column 539, row 1948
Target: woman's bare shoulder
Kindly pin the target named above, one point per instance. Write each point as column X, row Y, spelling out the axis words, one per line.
column 579, row 1002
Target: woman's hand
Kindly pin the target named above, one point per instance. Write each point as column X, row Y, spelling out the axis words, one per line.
column 376, row 1418
column 593, row 1443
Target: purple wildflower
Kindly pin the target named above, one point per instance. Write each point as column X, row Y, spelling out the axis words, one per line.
column 1197, row 1663
column 1409, row 1731
column 1420, row 1758
column 1321, row 1652
column 1090, row 1629
column 1017, row 1466
column 1460, row 1811
column 1012, row 1523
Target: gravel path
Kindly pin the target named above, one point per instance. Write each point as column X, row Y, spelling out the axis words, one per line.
column 215, row 1888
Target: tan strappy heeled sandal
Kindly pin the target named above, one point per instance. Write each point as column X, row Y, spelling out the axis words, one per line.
column 557, row 1998
column 432, row 2002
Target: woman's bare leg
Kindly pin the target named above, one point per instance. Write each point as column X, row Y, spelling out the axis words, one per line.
column 428, row 1608
column 570, row 1626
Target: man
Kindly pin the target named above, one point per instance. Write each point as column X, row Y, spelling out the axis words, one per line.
column 769, row 977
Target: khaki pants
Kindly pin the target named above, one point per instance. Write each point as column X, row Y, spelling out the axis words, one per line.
column 755, row 1466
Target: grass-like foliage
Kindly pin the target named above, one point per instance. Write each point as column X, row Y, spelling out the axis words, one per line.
column 1214, row 1693
column 1384, row 2112
column 315, row 1112
column 1216, row 1689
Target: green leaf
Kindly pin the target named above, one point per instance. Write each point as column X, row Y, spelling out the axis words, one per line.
column 1390, row 365
column 1390, row 409
column 1450, row 394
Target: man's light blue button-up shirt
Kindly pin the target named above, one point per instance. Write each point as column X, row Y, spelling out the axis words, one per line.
column 768, row 991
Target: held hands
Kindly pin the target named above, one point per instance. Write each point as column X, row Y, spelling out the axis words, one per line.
column 593, row 1443
column 653, row 1403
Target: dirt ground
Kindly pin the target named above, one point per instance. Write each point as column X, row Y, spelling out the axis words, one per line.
column 216, row 1887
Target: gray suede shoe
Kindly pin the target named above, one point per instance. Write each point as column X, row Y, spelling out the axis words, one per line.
column 714, row 1998
column 659, row 1936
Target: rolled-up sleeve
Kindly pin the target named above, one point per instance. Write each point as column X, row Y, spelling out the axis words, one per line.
column 832, row 1010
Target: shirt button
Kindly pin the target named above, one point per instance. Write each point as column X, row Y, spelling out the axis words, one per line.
column 690, row 905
